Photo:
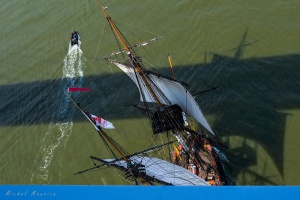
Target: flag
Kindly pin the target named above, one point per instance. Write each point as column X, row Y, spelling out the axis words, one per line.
column 102, row 122
column 75, row 89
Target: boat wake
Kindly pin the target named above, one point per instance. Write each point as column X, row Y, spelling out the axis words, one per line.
column 73, row 62
column 58, row 133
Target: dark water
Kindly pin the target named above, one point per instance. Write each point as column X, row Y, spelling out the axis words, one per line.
column 249, row 49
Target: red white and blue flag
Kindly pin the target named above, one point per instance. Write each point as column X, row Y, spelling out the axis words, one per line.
column 102, row 122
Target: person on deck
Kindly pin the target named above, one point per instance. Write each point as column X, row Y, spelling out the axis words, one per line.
column 184, row 157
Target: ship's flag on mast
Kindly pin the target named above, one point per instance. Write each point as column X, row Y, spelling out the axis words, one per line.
column 102, row 122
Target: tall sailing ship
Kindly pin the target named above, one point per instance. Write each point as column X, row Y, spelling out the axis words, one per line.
column 169, row 106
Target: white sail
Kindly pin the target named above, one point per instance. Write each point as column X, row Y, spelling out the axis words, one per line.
column 165, row 171
column 172, row 90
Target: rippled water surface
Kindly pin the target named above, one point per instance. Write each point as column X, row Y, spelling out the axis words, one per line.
column 251, row 49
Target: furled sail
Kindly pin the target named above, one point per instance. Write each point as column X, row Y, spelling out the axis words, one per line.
column 164, row 171
column 168, row 91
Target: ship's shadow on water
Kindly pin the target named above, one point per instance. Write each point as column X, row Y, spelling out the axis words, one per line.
column 249, row 103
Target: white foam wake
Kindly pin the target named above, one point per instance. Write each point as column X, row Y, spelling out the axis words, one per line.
column 55, row 139
column 73, row 62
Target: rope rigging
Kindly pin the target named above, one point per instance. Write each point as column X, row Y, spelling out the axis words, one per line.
column 166, row 117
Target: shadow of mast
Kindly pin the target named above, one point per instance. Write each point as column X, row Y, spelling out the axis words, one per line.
column 255, row 89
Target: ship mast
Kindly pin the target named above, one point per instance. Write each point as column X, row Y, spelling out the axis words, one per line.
column 101, row 133
column 137, row 66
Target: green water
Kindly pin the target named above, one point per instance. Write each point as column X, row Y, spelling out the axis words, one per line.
column 248, row 48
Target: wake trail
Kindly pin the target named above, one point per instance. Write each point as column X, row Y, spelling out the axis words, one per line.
column 58, row 133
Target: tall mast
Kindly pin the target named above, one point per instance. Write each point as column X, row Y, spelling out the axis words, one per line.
column 113, row 26
column 100, row 131
column 133, row 60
